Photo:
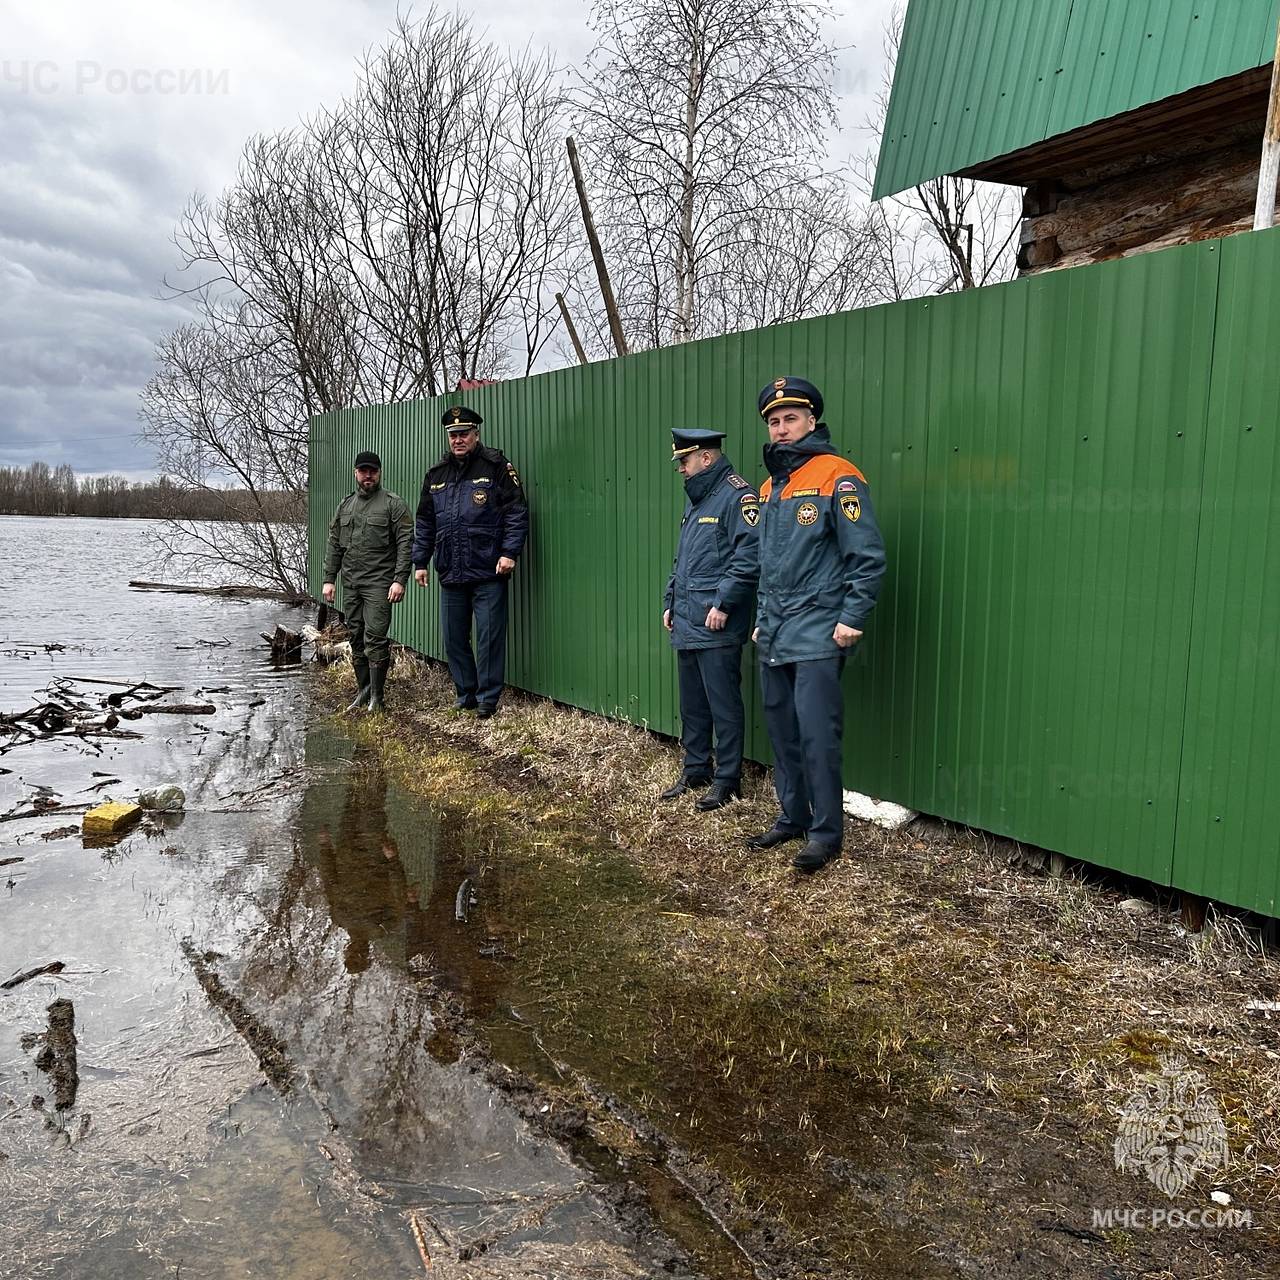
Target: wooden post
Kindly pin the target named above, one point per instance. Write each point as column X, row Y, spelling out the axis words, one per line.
column 1264, row 211
column 602, row 274
column 573, row 333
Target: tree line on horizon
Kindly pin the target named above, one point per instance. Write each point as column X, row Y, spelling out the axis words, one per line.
column 415, row 234
column 41, row 490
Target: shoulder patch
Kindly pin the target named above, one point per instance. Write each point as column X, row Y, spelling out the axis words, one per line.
column 850, row 507
column 751, row 513
column 736, row 480
column 846, row 486
column 511, row 471
column 748, row 497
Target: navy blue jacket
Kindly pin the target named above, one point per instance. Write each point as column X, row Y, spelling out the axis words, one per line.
column 472, row 511
column 821, row 555
column 717, row 559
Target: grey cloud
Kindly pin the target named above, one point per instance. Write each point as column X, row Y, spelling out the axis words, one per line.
column 92, row 185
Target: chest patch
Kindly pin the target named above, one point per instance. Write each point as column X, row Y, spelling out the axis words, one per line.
column 480, row 497
column 806, row 513
column 708, row 519
column 804, row 493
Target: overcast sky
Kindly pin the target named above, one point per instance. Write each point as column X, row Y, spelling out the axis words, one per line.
column 113, row 112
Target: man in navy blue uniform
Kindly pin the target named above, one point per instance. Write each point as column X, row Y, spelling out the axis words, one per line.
column 821, row 563
column 708, row 610
column 474, row 518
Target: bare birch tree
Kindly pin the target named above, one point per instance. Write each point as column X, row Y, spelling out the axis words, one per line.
column 704, row 123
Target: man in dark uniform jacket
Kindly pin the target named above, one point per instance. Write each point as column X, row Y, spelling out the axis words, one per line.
column 821, row 563
column 708, row 609
column 473, row 517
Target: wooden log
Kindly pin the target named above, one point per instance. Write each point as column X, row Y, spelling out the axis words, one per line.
column 234, row 591
column 27, row 975
column 175, row 709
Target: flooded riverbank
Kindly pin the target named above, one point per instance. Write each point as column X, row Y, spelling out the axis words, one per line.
column 267, row 1084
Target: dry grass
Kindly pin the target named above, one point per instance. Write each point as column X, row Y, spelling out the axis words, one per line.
column 928, row 975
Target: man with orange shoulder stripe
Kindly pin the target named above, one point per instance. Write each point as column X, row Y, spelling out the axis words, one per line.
column 821, row 563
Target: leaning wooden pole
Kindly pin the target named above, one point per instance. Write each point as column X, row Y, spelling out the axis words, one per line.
column 573, row 332
column 1264, row 211
column 602, row 274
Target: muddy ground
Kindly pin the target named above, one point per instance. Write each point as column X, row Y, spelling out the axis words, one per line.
column 911, row 1064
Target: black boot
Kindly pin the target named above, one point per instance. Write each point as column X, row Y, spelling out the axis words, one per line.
column 377, row 683
column 719, row 795
column 685, row 782
column 361, row 666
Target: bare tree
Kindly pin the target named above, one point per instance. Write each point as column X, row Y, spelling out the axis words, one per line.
column 400, row 242
column 703, row 123
column 945, row 234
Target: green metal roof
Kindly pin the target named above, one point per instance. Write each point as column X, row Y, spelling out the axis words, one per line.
column 977, row 79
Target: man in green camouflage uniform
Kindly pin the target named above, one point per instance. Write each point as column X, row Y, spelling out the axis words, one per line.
column 370, row 538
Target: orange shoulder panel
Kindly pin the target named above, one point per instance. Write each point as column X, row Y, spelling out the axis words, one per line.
column 766, row 489
column 821, row 473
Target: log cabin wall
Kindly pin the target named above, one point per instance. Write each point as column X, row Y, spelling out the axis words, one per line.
column 1173, row 173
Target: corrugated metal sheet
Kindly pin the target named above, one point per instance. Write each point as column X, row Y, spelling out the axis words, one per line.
column 977, row 79
column 1228, row 841
column 1076, row 643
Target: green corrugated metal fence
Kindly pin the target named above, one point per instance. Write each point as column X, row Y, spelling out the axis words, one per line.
column 1075, row 645
column 978, row 79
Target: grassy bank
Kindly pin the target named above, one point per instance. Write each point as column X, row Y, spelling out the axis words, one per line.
column 910, row 1064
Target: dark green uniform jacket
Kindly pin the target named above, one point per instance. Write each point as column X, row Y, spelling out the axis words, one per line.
column 821, row 554
column 369, row 540
column 716, row 559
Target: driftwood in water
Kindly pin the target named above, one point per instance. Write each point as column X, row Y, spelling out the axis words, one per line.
column 235, row 591
column 286, row 645
column 26, row 975
column 174, row 709
column 68, row 711
column 230, row 591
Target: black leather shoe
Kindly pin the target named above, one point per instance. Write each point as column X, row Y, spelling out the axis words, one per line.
column 773, row 837
column 718, row 796
column 813, row 857
column 682, row 784
column 485, row 711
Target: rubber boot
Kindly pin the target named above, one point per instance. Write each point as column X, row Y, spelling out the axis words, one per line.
column 378, row 683
column 361, row 666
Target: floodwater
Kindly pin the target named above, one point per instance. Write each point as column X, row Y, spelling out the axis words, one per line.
column 266, row 1083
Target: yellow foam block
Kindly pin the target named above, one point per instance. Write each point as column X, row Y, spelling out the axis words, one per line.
column 111, row 817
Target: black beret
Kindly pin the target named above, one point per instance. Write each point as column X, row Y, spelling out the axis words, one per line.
column 368, row 459
column 460, row 417
column 782, row 392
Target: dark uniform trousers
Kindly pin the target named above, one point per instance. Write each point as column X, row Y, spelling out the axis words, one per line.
column 477, row 677
column 804, row 714
column 368, row 620
column 711, row 700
